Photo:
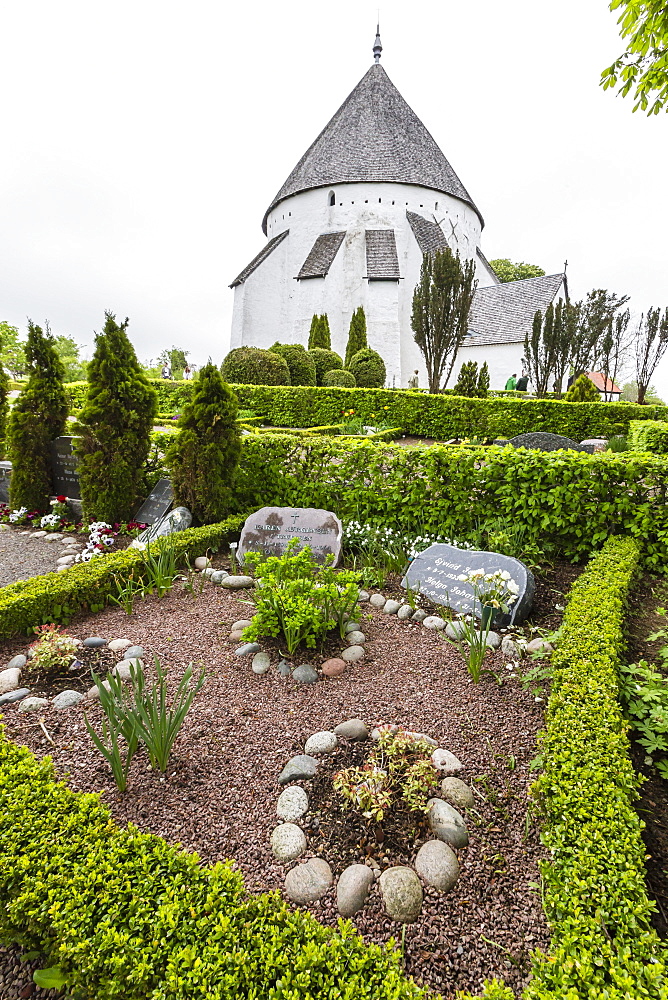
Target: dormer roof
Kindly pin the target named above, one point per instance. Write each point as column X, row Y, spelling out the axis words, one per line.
column 374, row 136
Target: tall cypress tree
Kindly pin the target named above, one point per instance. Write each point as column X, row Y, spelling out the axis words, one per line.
column 114, row 427
column 207, row 448
column 38, row 416
column 313, row 336
column 4, row 406
column 356, row 335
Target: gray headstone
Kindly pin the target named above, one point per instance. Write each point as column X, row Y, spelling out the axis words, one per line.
column 544, row 441
column 435, row 573
column 64, row 468
column 270, row 529
column 157, row 503
column 5, row 476
column 177, row 520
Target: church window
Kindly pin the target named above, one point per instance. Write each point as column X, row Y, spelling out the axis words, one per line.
column 393, row 203
column 436, row 206
column 379, row 200
column 332, row 199
column 366, row 201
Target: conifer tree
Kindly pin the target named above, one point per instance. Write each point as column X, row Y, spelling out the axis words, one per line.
column 313, row 333
column 356, row 335
column 4, row 406
column 483, row 381
column 38, row 416
column 207, row 448
column 114, row 427
column 319, row 335
column 467, row 381
column 583, row 390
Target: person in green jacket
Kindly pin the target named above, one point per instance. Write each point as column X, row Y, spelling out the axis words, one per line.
column 512, row 381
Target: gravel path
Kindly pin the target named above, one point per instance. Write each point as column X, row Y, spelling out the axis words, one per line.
column 22, row 557
column 219, row 795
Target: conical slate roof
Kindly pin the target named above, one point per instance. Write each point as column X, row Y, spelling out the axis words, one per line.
column 374, row 136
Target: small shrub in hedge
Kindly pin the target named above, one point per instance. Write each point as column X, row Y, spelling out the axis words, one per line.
column 356, row 335
column 583, row 390
column 114, row 427
column 4, row 407
column 300, row 363
column 38, row 416
column 253, row 366
column 319, row 334
column 340, row 376
column 368, row 368
column 324, row 361
column 204, row 455
column 649, row 435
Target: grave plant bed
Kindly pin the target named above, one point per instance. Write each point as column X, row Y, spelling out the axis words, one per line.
column 219, row 794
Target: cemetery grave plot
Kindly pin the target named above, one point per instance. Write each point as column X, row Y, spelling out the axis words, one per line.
column 219, row 794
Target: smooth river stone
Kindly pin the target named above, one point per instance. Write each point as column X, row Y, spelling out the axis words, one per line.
column 248, row 649
column 133, row 653
column 94, row 642
column 443, row 760
column 391, row 607
column 124, row 668
column 17, row 661
column 352, row 729
column 352, row 654
column 377, row 600
column 437, row 863
column 202, row 562
column 288, row 842
column 118, row 645
column 352, row 627
column 404, row 612
column 334, row 667
column 352, row 889
column 307, row 883
column 34, row 705
column 261, row 663
column 355, row 638
column 447, row 823
column 298, row 768
column 9, row 679
column 402, row 894
column 67, row 699
column 237, row 582
column 12, row 696
column 323, row 742
column 292, row 804
column 305, row 674
column 434, row 622
column 240, row 625
column 457, row 792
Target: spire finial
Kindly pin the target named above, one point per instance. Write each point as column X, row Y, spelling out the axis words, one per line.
column 377, row 47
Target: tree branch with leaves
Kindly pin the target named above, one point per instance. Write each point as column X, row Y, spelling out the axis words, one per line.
column 651, row 344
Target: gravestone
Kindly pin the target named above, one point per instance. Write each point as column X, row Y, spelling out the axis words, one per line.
column 64, row 468
column 177, row 520
column 434, row 573
column 544, row 441
column 156, row 505
column 270, row 529
column 5, row 476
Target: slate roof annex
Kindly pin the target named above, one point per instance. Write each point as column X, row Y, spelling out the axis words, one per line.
column 382, row 262
column 269, row 246
column 502, row 314
column 321, row 256
column 429, row 235
column 374, row 136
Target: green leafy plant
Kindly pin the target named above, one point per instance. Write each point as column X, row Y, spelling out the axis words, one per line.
column 299, row 361
column 356, row 335
column 368, row 369
column 119, row 737
column 583, row 390
column 471, row 642
column 160, row 568
column 339, row 377
column 325, row 361
column 617, row 443
column 252, row 365
column 158, row 723
column 400, row 768
column 299, row 599
column 54, row 651
column 128, row 589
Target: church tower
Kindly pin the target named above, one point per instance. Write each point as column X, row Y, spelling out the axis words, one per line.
column 349, row 227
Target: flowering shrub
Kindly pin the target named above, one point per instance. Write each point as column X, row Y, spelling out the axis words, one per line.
column 59, row 516
column 100, row 537
column 399, row 768
column 53, row 651
column 19, row 516
column 492, row 590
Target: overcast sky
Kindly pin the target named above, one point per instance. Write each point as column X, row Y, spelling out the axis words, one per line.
column 143, row 141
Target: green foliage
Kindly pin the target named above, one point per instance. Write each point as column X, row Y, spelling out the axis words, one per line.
column 617, row 443
column 299, row 361
column 204, row 455
column 298, row 599
column 74, row 370
column 583, row 390
column 37, row 417
column 12, row 350
column 114, row 427
column 53, row 652
column 629, row 394
column 176, row 358
column 483, row 381
column 340, row 377
column 441, row 304
column 253, row 366
column 4, row 402
column 58, row 597
column 471, row 382
column 324, row 361
column 506, row 270
column 319, row 334
column 73, row 885
column 356, row 336
column 549, row 346
column 593, row 886
column 649, row 435
column 368, row 369
column 643, row 67
column 565, row 502
column 644, row 694
column 399, row 770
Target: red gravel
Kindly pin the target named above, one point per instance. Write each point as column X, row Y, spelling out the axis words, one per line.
column 219, row 795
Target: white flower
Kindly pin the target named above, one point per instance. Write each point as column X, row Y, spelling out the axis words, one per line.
column 505, row 575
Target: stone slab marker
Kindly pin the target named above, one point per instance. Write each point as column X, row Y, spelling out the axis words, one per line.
column 270, row 529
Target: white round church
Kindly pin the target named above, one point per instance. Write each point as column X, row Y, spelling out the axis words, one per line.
column 349, row 228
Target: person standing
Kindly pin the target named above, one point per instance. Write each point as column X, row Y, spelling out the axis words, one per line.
column 166, row 371
column 512, row 381
column 413, row 382
column 187, row 374
column 522, row 383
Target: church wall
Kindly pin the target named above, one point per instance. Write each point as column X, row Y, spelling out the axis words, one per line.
column 503, row 360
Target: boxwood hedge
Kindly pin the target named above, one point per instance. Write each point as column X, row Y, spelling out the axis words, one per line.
column 649, row 435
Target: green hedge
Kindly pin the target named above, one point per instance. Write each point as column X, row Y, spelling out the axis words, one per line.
column 569, row 500
column 126, row 916
column 57, row 597
column 649, row 435
column 594, row 884
column 419, row 413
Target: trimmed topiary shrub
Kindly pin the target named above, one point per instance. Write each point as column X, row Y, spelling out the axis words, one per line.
column 583, row 390
column 4, row 407
column 114, row 427
column 253, row 366
column 319, row 334
column 324, row 361
column 356, row 335
column 340, row 376
column 368, row 368
column 38, row 416
column 206, row 451
column 300, row 363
